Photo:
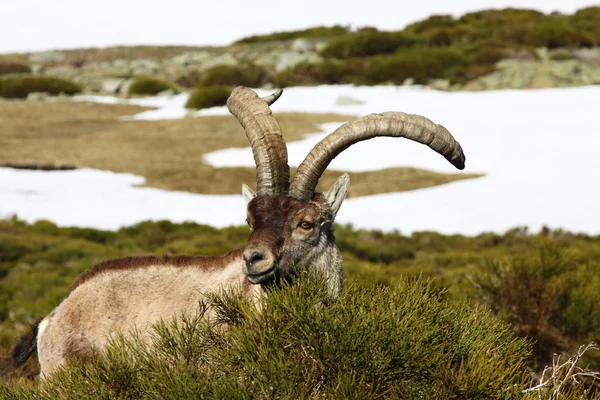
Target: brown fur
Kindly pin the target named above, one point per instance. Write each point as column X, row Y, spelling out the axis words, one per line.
column 201, row 262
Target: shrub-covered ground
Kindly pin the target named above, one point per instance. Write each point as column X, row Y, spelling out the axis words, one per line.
column 442, row 47
column 546, row 285
column 458, row 49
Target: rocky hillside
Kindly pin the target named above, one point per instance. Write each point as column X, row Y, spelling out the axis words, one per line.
column 491, row 49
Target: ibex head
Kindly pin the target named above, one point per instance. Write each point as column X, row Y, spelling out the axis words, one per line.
column 292, row 224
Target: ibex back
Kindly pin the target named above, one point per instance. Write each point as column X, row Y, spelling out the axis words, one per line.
column 291, row 229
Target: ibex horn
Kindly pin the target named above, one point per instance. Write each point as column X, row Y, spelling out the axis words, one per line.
column 265, row 137
column 394, row 124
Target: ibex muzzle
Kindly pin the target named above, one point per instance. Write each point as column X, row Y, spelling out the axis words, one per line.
column 291, row 229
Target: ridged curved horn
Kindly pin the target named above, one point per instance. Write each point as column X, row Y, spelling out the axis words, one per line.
column 264, row 135
column 272, row 98
column 394, row 124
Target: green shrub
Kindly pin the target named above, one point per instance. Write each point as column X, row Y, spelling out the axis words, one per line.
column 150, row 85
column 585, row 21
column 431, row 23
column 305, row 74
column 399, row 342
column 364, row 44
column 422, row 65
column 238, row 75
column 7, row 67
column 208, row 96
column 189, row 79
column 316, row 32
column 20, row 87
column 545, row 296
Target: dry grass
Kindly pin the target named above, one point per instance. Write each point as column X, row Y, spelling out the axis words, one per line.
column 168, row 153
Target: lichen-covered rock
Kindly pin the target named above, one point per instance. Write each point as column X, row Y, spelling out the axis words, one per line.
column 47, row 56
column 145, row 67
column 290, row 59
column 191, row 58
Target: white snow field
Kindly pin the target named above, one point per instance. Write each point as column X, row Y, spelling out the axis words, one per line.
column 539, row 151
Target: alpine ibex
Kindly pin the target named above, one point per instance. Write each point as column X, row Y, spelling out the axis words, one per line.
column 291, row 225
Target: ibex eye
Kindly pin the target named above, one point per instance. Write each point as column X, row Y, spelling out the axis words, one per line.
column 306, row 225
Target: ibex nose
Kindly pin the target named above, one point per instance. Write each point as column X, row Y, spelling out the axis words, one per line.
column 252, row 257
column 258, row 263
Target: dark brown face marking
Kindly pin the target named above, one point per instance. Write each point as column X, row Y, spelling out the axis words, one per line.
column 283, row 230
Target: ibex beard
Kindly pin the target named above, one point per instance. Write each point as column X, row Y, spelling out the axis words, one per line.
column 292, row 230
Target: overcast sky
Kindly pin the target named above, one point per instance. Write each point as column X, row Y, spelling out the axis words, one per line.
column 28, row 25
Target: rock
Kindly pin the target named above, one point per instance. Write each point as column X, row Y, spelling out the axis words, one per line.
column 566, row 70
column 542, row 54
column 320, row 46
column 195, row 57
column 124, row 88
column 144, row 67
column 37, row 96
column 561, row 54
column 117, row 68
column 289, row 59
column 111, row 85
column 47, row 56
column 542, row 80
column 594, row 76
column 475, row 86
column 62, row 71
column 456, row 87
column 302, row 45
column 408, row 82
column 439, row 84
column 218, row 60
column 347, row 101
column 588, row 55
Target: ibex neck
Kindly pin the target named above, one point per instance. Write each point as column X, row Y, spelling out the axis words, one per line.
column 330, row 263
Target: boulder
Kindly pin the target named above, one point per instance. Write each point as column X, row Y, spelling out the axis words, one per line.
column 289, row 59
column 440, row 84
column 144, row 67
column 47, row 56
column 221, row 59
column 112, row 85
column 194, row 57
column 302, row 45
column 37, row 96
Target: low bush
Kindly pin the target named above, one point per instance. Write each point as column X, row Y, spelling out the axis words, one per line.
column 546, row 296
column 316, row 32
column 421, row 65
column 208, row 96
column 189, row 79
column 150, row 85
column 305, row 74
column 20, row 87
column 238, row 75
column 546, row 284
column 366, row 43
column 405, row 341
column 7, row 67
column 586, row 20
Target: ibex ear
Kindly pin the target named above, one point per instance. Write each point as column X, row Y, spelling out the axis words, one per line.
column 337, row 193
column 247, row 193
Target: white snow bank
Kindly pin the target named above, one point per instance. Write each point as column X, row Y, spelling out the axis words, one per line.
column 539, row 150
column 107, row 200
column 167, row 107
